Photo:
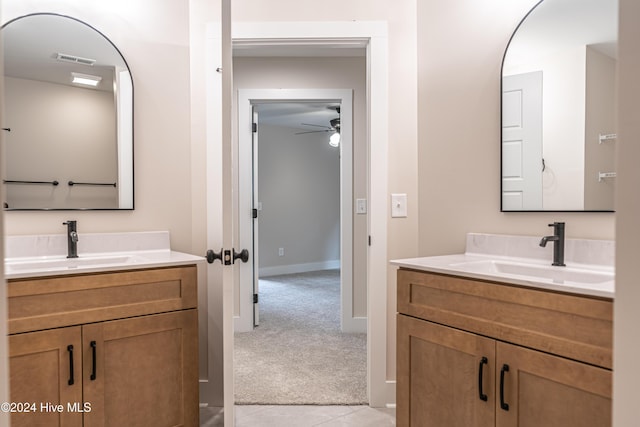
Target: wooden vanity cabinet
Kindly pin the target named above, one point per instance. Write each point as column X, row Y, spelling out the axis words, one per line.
column 40, row 374
column 462, row 341
column 139, row 370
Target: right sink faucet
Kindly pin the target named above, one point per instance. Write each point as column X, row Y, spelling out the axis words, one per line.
column 558, row 243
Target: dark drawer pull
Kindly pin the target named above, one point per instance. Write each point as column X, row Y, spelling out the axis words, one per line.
column 503, row 404
column 93, row 362
column 483, row 362
column 70, row 350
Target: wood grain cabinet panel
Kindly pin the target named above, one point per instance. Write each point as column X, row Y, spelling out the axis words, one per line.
column 132, row 350
column 48, row 302
column 145, row 371
column 462, row 340
column 545, row 390
column 40, row 373
column 438, row 376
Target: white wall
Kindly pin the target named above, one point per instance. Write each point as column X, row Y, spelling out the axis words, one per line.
column 626, row 351
column 563, row 124
column 62, row 133
column 299, row 190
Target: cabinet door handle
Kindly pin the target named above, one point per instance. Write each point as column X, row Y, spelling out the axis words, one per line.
column 483, row 362
column 93, row 362
column 503, row 404
column 70, row 350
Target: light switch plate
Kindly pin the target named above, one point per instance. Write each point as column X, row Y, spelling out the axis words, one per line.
column 398, row 205
column 361, row 206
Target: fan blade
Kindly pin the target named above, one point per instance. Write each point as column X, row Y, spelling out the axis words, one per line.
column 312, row 131
column 320, row 126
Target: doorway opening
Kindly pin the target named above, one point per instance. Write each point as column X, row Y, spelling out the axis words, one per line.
column 297, row 182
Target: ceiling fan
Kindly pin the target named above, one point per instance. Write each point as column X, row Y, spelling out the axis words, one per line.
column 334, row 126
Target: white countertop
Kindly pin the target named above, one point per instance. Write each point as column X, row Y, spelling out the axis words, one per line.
column 45, row 255
column 97, row 263
column 465, row 265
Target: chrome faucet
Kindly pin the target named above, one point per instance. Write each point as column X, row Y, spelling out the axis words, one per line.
column 72, row 239
column 558, row 243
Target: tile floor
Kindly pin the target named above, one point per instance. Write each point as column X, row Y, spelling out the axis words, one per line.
column 303, row 416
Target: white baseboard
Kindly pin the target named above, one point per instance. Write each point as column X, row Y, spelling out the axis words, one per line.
column 298, row 268
column 354, row 325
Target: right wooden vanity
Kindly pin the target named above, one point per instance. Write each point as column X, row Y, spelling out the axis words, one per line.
column 476, row 353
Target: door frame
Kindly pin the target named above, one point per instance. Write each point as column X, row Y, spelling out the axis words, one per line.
column 381, row 392
column 246, row 99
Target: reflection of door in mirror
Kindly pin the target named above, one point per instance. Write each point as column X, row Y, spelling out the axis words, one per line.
column 522, row 164
column 68, row 101
column 572, row 43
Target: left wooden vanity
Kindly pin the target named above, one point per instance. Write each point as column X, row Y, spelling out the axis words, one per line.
column 108, row 348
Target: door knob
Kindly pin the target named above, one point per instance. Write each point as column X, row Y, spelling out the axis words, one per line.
column 243, row 255
column 212, row 256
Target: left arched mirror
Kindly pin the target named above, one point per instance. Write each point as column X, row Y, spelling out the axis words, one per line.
column 68, row 117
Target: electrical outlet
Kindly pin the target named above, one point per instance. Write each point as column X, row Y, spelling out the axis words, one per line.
column 280, row 251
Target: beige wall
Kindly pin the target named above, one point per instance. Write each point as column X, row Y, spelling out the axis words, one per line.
column 626, row 411
column 601, row 111
column 460, row 47
column 154, row 39
column 63, row 133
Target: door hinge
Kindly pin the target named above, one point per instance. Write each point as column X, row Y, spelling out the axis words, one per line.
column 254, row 213
column 255, row 298
column 369, row 240
column 254, row 127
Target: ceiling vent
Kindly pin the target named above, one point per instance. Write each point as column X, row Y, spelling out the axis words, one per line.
column 74, row 59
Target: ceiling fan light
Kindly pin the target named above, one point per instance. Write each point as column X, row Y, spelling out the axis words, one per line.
column 334, row 139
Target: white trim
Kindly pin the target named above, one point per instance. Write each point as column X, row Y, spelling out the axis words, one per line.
column 277, row 270
column 380, row 392
column 246, row 98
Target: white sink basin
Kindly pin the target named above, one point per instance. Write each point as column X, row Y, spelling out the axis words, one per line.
column 66, row 263
column 554, row 274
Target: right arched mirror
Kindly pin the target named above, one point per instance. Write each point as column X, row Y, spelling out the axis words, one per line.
column 559, row 108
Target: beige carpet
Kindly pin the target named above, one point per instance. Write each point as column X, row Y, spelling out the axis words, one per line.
column 298, row 355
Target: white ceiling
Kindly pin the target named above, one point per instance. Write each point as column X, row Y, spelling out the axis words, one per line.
column 32, row 43
column 303, row 116
column 562, row 24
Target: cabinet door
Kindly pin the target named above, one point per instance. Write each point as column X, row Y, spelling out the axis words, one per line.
column 45, row 370
column 545, row 390
column 142, row 371
column 438, row 376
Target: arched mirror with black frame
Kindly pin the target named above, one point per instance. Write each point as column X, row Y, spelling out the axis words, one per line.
column 559, row 109
column 68, row 117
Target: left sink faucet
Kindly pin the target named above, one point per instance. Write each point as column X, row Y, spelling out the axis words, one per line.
column 72, row 238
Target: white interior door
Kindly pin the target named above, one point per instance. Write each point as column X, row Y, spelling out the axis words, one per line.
column 522, row 162
column 221, row 220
